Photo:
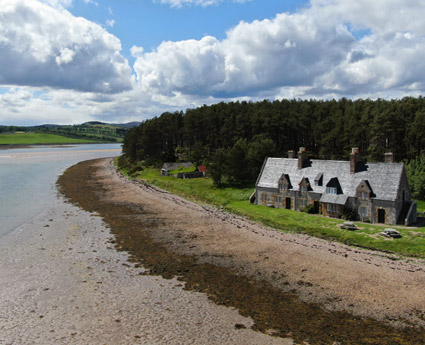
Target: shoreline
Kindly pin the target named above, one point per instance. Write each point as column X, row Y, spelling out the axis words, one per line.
column 4, row 147
column 280, row 280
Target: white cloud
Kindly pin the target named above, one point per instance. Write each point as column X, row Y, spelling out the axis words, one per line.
column 204, row 3
column 289, row 50
column 47, row 46
column 313, row 52
column 334, row 48
column 110, row 23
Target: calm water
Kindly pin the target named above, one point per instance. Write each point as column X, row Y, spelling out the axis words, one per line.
column 28, row 178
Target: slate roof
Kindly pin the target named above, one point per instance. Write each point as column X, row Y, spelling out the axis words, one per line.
column 175, row 166
column 383, row 178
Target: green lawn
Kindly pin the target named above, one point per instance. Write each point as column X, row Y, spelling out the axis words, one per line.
column 235, row 200
column 29, row 138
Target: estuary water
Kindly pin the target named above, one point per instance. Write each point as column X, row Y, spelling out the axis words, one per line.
column 28, row 177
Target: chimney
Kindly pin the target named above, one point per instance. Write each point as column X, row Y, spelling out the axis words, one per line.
column 291, row 154
column 354, row 158
column 302, row 157
column 389, row 157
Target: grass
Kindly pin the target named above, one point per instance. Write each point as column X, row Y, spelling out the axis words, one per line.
column 421, row 205
column 182, row 170
column 235, row 200
column 31, row 138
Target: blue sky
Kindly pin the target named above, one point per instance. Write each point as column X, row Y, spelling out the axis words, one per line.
column 146, row 23
column 71, row 61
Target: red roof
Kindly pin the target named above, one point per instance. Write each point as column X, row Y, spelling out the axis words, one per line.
column 202, row 168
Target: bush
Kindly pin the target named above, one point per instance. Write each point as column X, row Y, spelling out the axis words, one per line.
column 349, row 214
column 123, row 162
column 310, row 209
column 135, row 170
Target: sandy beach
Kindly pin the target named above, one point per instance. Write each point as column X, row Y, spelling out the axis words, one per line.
column 143, row 266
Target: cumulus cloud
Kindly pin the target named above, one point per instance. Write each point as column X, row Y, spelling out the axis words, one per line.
column 43, row 45
column 317, row 51
column 332, row 48
column 390, row 57
column 288, row 50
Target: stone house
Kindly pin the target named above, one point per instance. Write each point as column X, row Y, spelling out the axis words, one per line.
column 374, row 192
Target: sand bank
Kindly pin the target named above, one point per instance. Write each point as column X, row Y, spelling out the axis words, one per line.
column 291, row 285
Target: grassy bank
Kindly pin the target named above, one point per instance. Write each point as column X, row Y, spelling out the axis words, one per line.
column 31, row 138
column 235, row 200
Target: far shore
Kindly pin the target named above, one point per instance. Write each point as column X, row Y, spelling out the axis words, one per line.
column 291, row 285
column 29, row 146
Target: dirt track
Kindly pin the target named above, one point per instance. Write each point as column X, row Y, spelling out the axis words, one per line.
column 291, row 285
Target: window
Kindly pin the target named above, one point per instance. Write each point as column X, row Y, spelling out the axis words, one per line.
column 279, row 199
column 331, row 190
column 363, row 211
column 303, row 189
column 303, row 203
column 282, row 186
column 363, row 195
column 332, row 208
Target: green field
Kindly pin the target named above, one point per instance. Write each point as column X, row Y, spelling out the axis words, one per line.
column 30, row 138
column 235, row 200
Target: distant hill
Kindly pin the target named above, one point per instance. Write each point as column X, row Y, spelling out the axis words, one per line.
column 92, row 130
column 125, row 125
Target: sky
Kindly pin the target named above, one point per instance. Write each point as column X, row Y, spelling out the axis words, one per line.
column 72, row 61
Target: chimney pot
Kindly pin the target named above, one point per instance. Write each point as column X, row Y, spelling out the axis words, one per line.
column 389, row 157
column 291, row 154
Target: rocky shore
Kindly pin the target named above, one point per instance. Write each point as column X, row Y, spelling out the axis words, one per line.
column 291, row 286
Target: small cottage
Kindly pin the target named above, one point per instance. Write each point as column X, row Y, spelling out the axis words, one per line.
column 167, row 167
column 374, row 192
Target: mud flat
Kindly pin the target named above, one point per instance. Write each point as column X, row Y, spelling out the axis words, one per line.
column 291, row 286
column 63, row 282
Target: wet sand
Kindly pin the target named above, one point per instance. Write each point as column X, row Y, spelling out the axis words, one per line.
column 63, row 282
column 290, row 285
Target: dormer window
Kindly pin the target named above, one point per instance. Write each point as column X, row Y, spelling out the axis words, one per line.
column 331, row 190
column 284, row 183
column 304, row 185
column 333, row 186
column 363, row 195
column 364, row 191
column 318, row 181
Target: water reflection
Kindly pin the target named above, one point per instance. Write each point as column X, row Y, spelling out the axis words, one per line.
column 28, row 176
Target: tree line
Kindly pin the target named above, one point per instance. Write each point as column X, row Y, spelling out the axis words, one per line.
column 233, row 138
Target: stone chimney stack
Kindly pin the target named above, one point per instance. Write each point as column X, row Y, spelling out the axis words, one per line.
column 389, row 157
column 291, row 154
column 302, row 157
column 354, row 158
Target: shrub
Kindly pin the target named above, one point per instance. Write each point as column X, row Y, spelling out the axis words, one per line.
column 349, row 214
column 310, row 209
column 135, row 170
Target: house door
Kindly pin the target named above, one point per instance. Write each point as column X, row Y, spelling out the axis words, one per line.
column 381, row 216
column 288, row 203
column 316, row 206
